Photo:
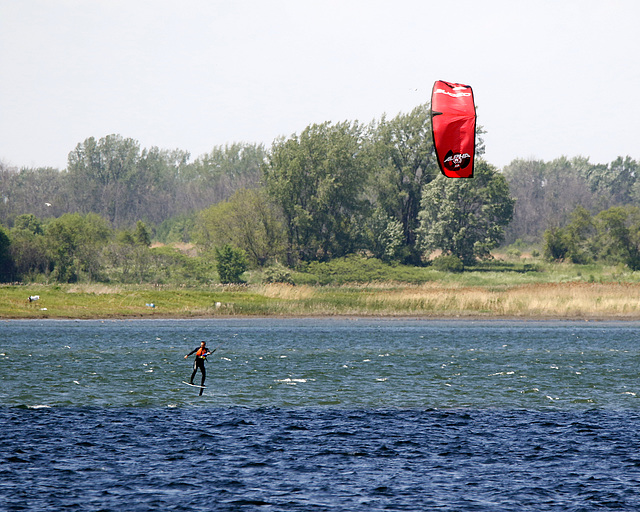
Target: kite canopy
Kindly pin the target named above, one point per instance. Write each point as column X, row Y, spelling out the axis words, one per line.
column 453, row 121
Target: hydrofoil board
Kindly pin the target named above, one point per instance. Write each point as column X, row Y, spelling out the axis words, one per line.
column 194, row 385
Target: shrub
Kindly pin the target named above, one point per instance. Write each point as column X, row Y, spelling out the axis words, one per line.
column 231, row 263
column 448, row 263
column 556, row 244
column 278, row 274
column 357, row 269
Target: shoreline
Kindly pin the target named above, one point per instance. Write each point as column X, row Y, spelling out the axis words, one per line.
column 435, row 318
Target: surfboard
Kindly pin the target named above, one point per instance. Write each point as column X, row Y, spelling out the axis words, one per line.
column 194, row 385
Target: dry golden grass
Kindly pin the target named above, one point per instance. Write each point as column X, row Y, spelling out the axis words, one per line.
column 579, row 299
column 561, row 300
column 284, row 291
column 96, row 289
column 543, row 300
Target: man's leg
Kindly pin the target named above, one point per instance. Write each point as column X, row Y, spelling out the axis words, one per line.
column 195, row 370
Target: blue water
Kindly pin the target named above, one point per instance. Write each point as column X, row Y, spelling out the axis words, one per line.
column 320, row 415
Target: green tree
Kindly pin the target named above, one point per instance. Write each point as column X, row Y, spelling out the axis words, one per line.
column 114, row 178
column 615, row 184
column 28, row 222
column 141, row 235
column 573, row 242
column 465, row 217
column 612, row 236
column 249, row 221
column 75, row 244
column 176, row 229
column 317, row 178
column 556, row 244
column 28, row 247
column 618, row 238
column 385, row 236
column 580, row 232
column 404, row 155
column 102, row 174
column 6, row 261
column 153, row 194
column 231, row 263
column 129, row 255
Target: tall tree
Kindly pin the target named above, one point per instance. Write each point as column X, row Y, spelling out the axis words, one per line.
column 465, row 217
column 39, row 191
column 546, row 194
column 618, row 238
column 6, row 260
column 154, row 194
column 28, row 247
column 216, row 175
column 75, row 244
column 406, row 161
column 317, row 178
column 615, row 184
column 102, row 173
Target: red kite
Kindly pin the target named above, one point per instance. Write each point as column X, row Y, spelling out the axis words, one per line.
column 453, row 121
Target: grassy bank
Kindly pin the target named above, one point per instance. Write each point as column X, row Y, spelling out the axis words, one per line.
column 572, row 299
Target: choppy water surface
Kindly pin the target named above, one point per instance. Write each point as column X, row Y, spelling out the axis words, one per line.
column 320, row 415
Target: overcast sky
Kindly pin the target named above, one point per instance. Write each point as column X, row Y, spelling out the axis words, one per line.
column 550, row 77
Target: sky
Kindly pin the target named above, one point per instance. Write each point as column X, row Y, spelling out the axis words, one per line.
column 551, row 78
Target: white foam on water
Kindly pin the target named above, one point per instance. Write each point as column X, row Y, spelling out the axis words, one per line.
column 293, row 381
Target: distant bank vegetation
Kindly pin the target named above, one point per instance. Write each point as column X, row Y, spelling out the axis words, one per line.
column 338, row 202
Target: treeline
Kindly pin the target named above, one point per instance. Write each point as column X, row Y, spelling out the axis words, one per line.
column 328, row 192
column 547, row 193
column 84, row 248
column 612, row 236
column 116, row 179
column 333, row 190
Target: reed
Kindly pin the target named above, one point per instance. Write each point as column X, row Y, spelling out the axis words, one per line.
column 569, row 300
column 285, row 291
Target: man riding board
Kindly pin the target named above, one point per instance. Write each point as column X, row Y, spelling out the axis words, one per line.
column 201, row 353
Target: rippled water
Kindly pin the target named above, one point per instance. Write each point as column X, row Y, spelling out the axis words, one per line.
column 320, row 415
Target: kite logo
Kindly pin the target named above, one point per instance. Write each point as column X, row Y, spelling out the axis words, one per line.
column 456, row 161
column 453, row 94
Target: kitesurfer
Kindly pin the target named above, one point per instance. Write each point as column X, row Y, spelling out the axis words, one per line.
column 201, row 353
